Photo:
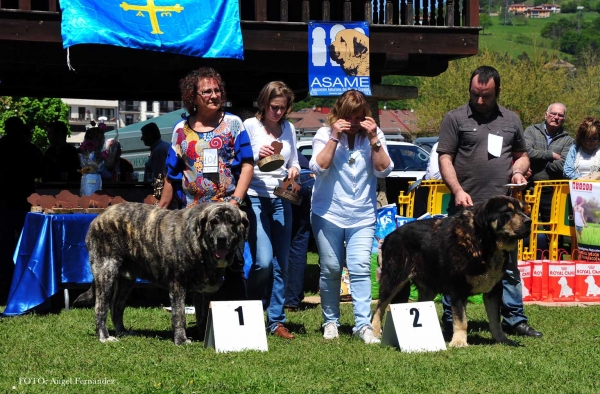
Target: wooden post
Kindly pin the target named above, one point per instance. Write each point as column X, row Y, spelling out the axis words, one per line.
column 450, row 13
column 457, row 13
column 440, row 18
column 472, row 13
column 283, row 11
column 305, row 11
column 25, row 5
column 368, row 11
column 389, row 13
column 417, row 8
column 260, row 10
column 326, row 10
column 347, row 10
column 408, row 17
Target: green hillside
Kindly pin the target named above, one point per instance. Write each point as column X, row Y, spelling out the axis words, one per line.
column 523, row 35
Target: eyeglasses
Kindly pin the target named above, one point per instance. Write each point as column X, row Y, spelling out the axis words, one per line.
column 209, row 92
column 558, row 115
column 276, row 109
column 592, row 139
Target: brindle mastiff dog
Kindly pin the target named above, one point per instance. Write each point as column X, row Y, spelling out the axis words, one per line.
column 183, row 251
column 459, row 256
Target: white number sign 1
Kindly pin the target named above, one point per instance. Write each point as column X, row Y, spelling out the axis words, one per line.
column 413, row 327
column 233, row 326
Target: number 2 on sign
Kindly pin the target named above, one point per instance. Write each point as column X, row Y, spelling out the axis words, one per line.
column 413, row 311
column 241, row 314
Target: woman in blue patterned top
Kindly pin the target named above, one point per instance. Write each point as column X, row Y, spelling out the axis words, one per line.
column 210, row 157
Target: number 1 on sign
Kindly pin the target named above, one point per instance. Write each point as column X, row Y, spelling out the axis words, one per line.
column 240, row 314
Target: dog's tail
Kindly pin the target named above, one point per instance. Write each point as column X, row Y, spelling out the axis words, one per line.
column 379, row 258
column 87, row 298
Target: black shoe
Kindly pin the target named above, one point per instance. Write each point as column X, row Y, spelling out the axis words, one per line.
column 526, row 330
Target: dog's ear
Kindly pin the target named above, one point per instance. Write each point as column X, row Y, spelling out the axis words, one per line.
column 487, row 214
column 245, row 224
column 197, row 222
column 359, row 47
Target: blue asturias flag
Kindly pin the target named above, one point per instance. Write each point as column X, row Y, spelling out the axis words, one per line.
column 204, row 28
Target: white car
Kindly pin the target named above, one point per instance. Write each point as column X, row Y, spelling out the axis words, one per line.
column 410, row 164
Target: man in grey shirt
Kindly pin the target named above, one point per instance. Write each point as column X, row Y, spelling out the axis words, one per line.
column 481, row 149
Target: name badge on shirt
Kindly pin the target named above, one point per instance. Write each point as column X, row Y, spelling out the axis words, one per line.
column 494, row 145
column 211, row 161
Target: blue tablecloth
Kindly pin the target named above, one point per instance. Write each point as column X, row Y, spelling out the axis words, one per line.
column 51, row 251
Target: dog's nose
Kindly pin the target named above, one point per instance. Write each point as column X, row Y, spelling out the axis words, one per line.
column 222, row 242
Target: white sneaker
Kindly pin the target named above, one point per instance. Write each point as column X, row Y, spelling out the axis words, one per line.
column 367, row 335
column 330, row 331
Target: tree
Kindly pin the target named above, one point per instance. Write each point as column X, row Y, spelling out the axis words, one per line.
column 37, row 113
column 528, row 87
column 570, row 7
column 485, row 21
column 521, row 20
column 569, row 42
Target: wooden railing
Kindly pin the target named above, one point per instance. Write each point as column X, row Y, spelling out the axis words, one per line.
column 377, row 12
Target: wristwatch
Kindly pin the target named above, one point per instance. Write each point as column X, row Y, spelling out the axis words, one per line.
column 234, row 198
column 376, row 144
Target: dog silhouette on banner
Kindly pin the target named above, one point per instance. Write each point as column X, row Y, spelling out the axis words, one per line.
column 565, row 290
column 593, row 288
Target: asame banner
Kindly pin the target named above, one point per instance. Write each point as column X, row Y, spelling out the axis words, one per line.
column 338, row 58
column 585, row 199
column 207, row 28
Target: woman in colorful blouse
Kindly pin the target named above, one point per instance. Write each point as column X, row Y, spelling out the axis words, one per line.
column 210, row 157
column 271, row 216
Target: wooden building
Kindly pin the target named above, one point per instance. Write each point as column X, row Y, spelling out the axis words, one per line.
column 408, row 37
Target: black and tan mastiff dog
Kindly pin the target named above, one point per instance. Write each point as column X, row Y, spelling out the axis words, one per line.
column 183, row 251
column 460, row 255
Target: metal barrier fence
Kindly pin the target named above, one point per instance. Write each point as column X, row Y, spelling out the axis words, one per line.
column 560, row 223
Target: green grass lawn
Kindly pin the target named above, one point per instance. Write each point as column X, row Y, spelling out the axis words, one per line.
column 63, row 346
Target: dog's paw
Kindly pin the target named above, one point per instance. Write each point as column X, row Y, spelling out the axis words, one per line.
column 458, row 343
column 109, row 339
column 183, row 341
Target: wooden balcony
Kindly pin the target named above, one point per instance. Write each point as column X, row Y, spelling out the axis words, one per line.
column 408, row 37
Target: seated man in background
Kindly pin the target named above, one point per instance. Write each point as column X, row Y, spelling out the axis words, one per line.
column 548, row 144
column 158, row 152
column 61, row 160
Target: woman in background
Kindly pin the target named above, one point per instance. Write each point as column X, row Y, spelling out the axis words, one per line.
column 348, row 157
column 583, row 159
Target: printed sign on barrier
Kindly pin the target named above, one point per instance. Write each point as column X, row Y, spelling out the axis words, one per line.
column 539, row 280
column 561, row 281
column 587, row 281
column 525, row 271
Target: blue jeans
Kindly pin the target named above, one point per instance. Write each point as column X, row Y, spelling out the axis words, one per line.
column 512, row 297
column 269, row 240
column 330, row 242
column 299, row 247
